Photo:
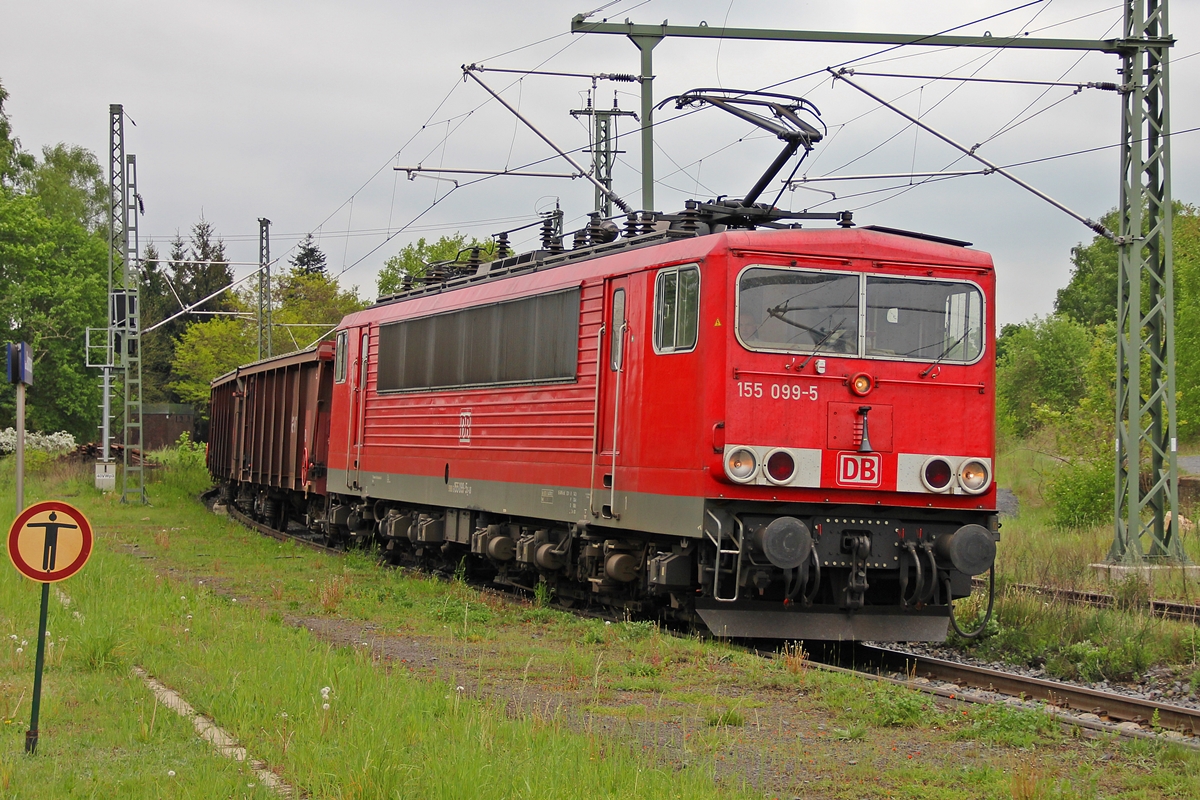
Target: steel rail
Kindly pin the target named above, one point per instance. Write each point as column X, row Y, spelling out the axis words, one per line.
column 1167, row 609
column 1122, row 708
column 236, row 513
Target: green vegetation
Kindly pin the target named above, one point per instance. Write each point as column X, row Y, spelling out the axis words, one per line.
column 52, row 284
column 551, row 704
column 414, row 258
column 1072, row 641
column 1055, row 376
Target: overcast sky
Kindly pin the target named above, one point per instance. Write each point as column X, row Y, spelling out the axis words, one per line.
column 297, row 111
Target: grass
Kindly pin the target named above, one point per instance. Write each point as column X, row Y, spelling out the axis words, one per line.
column 551, row 704
column 1071, row 641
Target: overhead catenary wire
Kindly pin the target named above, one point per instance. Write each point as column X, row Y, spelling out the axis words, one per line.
column 677, row 118
column 1103, row 85
column 970, row 152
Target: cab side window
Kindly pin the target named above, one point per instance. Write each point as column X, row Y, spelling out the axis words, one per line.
column 339, row 358
column 676, row 309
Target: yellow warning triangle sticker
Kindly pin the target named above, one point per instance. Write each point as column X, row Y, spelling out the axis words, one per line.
column 718, row 323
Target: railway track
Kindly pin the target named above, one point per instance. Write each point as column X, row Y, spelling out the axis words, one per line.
column 1166, row 609
column 1107, row 712
column 1067, row 701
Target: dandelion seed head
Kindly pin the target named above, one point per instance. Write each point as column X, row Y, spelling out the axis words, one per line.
column 325, row 706
column 170, row 773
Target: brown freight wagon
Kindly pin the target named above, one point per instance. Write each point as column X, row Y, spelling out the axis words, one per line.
column 273, row 419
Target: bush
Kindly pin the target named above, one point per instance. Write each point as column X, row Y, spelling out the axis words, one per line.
column 41, row 442
column 1081, row 493
column 1040, row 365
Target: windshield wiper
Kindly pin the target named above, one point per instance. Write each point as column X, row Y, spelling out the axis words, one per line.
column 817, row 346
column 943, row 354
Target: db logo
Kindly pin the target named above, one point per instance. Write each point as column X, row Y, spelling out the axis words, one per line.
column 464, row 426
column 859, row 469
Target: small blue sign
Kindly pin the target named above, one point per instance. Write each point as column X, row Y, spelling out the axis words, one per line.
column 19, row 363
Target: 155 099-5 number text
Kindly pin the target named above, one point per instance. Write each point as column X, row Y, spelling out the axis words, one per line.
column 776, row 391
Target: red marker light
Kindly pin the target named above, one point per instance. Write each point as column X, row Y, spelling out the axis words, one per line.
column 781, row 467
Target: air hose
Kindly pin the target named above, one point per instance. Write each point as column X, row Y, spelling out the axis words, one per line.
column 987, row 617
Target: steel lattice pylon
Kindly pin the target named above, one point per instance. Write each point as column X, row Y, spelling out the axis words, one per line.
column 129, row 334
column 265, row 348
column 602, row 146
column 123, row 336
column 1145, row 299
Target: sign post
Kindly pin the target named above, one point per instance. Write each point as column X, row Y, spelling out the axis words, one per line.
column 48, row 542
column 18, row 368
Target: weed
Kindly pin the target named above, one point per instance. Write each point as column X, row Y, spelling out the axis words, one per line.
column 332, row 592
column 1026, row 785
column 636, row 631
column 854, row 733
column 541, row 594
column 729, row 718
column 100, row 650
column 594, row 634
column 1132, row 594
column 895, row 706
column 795, row 658
column 163, row 540
column 277, row 591
column 640, row 669
column 460, row 571
column 1014, row 727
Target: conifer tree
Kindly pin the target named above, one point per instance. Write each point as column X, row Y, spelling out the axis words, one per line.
column 309, row 260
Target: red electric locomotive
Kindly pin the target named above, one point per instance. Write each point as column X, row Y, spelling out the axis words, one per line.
column 780, row 433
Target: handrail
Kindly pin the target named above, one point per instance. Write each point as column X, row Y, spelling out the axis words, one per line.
column 595, row 424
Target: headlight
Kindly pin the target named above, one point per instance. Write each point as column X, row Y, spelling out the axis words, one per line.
column 937, row 474
column 780, row 467
column 861, row 384
column 741, row 465
column 974, row 476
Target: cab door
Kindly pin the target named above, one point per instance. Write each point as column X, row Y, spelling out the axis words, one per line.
column 613, row 385
column 360, row 348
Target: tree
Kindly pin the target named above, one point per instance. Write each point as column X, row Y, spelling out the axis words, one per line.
column 309, row 260
column 52, row 288
column 13, row 161
column 70, row 184
column 414, row 258
column 304, row 300
column 1090, row 297
column 201, row 269
column 158, row 346
column 53, row 280
column 1042, row 369
column 207, row 350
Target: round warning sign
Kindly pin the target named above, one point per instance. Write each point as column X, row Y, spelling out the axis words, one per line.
column 50, row 541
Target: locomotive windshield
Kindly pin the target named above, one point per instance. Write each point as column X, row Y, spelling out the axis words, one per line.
column 819, row 312
column 788, row 309
column 935, row 320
